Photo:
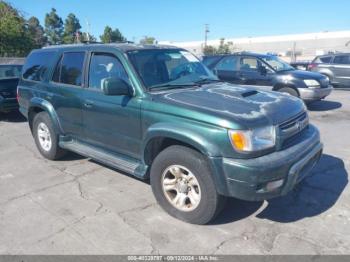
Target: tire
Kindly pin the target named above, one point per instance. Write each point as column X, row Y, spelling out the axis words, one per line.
column 42, row 124
column 289, row 90
column 194, row 167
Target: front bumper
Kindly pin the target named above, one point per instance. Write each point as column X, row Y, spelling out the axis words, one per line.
column 313, row 94
column 8, row 104
column 248, row 179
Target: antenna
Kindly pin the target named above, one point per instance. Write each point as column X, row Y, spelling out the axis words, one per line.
column 206, row 31
column 88, row 30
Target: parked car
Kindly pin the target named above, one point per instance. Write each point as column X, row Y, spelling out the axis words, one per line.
column 157, row 112
column 269, row 73
column 336, row 67
column 9, row 76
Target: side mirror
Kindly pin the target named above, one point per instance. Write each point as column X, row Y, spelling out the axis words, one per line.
column 113, row 86
column 263, row 70
column 215, row 71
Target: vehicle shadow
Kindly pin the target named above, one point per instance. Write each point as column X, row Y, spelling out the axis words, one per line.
column 71, row 156
column 12, row 117
column 313, row 196
column 323, row 105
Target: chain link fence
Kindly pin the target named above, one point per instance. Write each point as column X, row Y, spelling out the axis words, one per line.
column 12, row 60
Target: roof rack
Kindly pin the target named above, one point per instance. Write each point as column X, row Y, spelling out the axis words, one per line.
column 86, row 43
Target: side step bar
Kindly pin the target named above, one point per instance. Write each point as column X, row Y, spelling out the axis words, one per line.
column 126, row 164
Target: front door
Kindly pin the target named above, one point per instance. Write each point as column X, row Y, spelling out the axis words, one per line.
column 111, row 122
column 251, row 73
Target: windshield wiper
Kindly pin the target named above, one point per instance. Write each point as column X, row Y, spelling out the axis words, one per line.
column 170, row 86
column 286, row 69
column 207, row 81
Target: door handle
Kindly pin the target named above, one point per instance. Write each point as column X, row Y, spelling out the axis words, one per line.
column 88, row 103
column 242, row 76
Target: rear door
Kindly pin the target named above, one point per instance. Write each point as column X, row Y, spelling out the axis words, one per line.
column 110, row 122
column 341, row 69
column 67, row 91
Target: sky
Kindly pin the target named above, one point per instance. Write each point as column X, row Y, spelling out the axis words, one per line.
column 184, row 20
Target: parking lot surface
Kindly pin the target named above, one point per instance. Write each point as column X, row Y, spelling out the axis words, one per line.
column 77, row 206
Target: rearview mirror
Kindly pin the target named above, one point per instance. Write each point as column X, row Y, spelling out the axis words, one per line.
column 113, row 86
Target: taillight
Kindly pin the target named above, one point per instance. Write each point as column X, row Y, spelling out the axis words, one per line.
column 17, row 97
column 311, row 66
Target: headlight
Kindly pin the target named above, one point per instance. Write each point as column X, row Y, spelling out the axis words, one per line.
column 253, row 140
column 312, row 83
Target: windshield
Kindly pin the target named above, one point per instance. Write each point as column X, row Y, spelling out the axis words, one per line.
column 277, row 63
column 159, row 68
column 10, row 71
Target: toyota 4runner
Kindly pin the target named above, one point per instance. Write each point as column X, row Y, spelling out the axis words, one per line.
column 156, row 112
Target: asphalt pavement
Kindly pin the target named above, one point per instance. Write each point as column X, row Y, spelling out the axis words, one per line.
column 78, row 206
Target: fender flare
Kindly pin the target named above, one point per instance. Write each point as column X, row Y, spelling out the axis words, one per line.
column 185, row 135
column 48, row 108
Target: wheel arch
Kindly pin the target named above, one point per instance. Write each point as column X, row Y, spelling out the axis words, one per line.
column 162, row 136
column 38, row 105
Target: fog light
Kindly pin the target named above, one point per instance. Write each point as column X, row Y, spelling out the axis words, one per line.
column 271, row 186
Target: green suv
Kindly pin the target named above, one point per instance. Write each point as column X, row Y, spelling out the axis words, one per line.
column 156, row 112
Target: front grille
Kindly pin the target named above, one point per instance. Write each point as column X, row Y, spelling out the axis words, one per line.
column 286, row 126
column 291, row 129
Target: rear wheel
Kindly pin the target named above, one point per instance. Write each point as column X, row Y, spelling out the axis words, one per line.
column 46, row 138
column 289, row 90
column 183, row 185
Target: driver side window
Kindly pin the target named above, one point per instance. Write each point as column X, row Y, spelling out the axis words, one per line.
column 249, row 64
column 104, row 66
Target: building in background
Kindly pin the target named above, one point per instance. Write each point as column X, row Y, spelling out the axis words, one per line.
column 289, row 47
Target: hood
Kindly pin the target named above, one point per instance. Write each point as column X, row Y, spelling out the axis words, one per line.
column 301, row 74
column 243, row 106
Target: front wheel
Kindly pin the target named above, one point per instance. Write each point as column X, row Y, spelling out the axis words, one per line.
column 289, row 90
column 183, row 185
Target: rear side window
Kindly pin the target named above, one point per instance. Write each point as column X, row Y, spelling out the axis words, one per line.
column 10, row 71
column 36, row 66
column 69, row 69
column 342, row 59
column 323, row 59
column 326, row 59
column 228, row 64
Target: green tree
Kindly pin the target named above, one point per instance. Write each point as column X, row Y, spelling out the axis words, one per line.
column 86, row 37
column 223, row 48
column 53, row 27
column 14, row 33
column 37, row 32
column 209, row 50
column 71, row 29
column 148, row 40
column 110, row 36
